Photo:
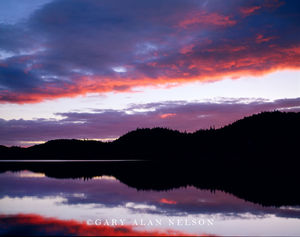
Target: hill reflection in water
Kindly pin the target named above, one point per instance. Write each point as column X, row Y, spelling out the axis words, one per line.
column 255, row 184
column 105, row 197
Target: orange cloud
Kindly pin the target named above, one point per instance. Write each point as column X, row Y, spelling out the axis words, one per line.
column 167, row 201
column 163, row 116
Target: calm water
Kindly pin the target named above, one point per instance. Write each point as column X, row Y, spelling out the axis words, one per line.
column 33, row 203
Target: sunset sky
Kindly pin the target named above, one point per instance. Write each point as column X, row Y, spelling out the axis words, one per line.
column 99, row 68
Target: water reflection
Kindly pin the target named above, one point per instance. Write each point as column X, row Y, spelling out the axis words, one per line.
column 106, row 198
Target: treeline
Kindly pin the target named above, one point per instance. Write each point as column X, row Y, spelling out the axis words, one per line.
column 268, row 137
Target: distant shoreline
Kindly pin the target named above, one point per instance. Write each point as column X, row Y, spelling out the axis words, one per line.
column 265, row 137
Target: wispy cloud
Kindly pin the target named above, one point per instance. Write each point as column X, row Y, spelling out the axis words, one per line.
column 105, row 124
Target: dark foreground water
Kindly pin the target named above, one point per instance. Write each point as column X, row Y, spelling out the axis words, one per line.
column 34, row 204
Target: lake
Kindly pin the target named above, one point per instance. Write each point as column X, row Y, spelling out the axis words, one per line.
column 32, row 203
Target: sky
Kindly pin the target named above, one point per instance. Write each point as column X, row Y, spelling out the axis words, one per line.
column 97, row 69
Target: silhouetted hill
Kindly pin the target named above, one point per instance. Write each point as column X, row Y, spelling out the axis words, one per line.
column 255, row 158
column 267, row 136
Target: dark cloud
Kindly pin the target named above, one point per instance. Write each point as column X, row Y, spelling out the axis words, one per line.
column 178, row 115
column 76, row 46
column 17, row 79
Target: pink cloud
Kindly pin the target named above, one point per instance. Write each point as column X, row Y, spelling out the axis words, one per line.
column 246, row 11
column 168, row 115
column 261, row 39
column 204, row 18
